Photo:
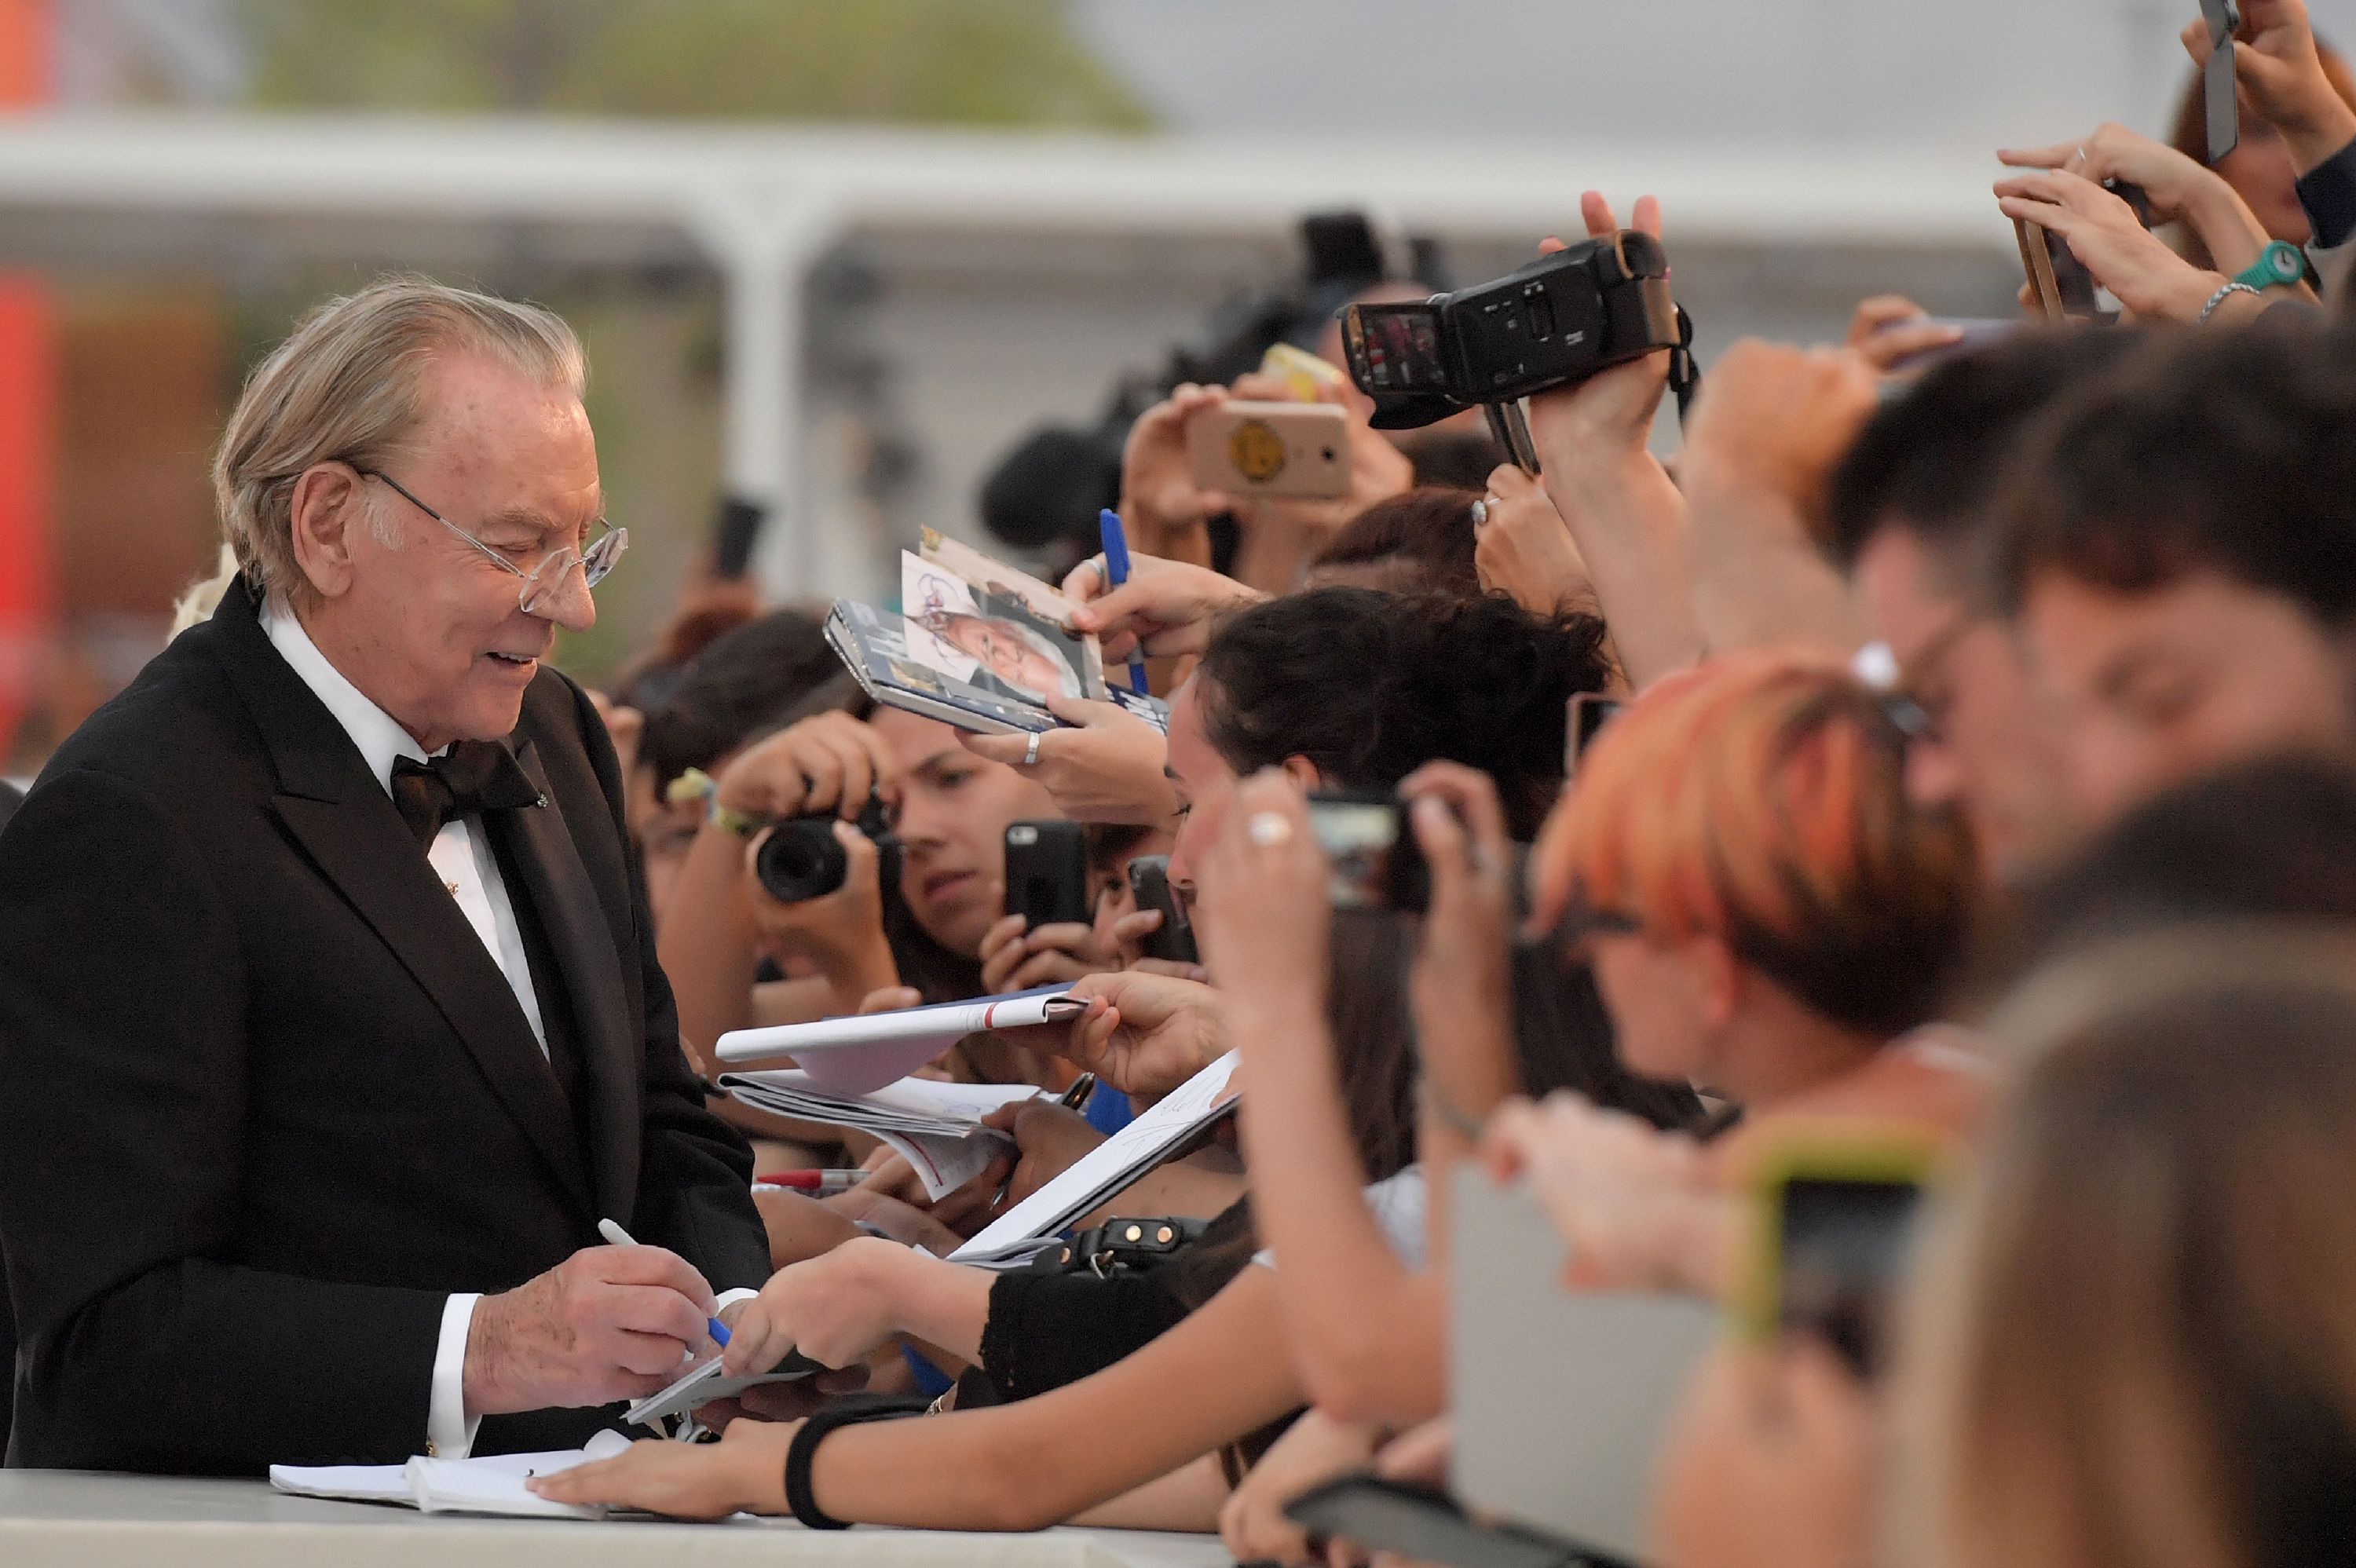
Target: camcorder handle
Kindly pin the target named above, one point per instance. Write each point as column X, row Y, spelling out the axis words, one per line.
column 1511, row 426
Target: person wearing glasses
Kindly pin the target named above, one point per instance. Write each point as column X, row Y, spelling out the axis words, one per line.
column 1770, row 918
column 1911, row 517
column 330, row 1020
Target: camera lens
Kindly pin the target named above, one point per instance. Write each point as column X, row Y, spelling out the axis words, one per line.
column 801, row 860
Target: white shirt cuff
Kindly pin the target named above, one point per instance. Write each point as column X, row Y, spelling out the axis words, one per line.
column 728, row 1298
column 449, row 1430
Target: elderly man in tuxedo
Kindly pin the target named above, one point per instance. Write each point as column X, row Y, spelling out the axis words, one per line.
column 331, row 1025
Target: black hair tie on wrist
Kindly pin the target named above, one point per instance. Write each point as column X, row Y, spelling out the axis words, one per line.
column 854, row 1411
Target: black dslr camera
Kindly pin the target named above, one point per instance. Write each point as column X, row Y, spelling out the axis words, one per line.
column 1560, row 319
column 802, row 859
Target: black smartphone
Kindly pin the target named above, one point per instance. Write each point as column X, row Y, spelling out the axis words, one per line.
column 1047, row 873
column 1588, row 713
column 1149, row 885
column 1424, row 1524
column 1844, row 1242
column 1376, row 862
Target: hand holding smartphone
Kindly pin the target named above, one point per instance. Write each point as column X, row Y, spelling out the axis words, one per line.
column 1291, row 450
column 1377, row 864
column 1835, row 1224
column 1148, row 884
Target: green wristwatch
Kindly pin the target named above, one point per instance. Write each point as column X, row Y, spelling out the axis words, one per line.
column 2277, row 265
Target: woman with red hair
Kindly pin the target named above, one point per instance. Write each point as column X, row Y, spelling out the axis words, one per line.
column 1770, row 918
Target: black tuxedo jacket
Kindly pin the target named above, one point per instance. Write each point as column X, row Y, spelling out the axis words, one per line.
column 265, row 1099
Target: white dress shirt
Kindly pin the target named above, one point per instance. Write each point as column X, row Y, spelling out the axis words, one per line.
column 461, row 856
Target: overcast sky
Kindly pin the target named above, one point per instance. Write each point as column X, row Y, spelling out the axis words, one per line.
column 1959, row 72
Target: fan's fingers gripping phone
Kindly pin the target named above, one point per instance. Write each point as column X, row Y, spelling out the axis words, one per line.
column 1047, row 873
column 2063, row 285
column 1424, row 1524
column 1173, row 940
column 1834, row 1217
column 1297, row 450
column 1377, row 864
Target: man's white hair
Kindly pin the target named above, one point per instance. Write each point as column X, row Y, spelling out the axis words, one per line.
column 346, row 386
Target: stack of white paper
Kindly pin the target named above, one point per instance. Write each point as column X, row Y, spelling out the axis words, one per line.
column 936, row 1128
column 1097, row 1176
column 492, row 1484
column 860, row 1055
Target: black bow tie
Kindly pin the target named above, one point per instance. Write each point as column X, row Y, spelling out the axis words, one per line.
column 472, row 777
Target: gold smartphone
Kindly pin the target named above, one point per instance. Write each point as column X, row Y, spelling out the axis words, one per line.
column 2039, row 264
column 1297, row 450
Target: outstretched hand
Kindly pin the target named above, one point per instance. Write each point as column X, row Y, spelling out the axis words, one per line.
column 1164, row 610
column 745, row 1472
column 1266, row 893
column 2276, row 64
column 1104, row 765
column 2103, row 232
column 1612, row 411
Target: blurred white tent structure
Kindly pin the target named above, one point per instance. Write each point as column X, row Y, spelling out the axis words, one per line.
column 762, row 205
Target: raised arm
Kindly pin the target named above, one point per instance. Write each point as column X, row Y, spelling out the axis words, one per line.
column 1621, row 508
column 1365, row 1329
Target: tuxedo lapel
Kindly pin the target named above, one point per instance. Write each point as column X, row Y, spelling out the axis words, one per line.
column 549, row 865
column 347, row 824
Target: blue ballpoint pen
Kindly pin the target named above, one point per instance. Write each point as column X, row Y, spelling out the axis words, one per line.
column 1116, row 549
column 621, row 1238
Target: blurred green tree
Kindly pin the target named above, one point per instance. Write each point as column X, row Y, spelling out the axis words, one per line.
column 959, row 62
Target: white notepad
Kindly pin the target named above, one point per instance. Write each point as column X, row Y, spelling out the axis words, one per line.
column 493, row 1484
column 936, row 1127
column 1096, row 1176
column 860, row 1055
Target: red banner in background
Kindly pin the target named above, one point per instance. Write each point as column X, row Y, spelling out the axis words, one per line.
column 28, row 422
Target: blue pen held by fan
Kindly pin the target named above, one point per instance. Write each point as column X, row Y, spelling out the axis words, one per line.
column 1116, row 548
column 621, row 1238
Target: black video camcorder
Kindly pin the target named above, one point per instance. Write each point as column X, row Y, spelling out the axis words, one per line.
column 1560, row 319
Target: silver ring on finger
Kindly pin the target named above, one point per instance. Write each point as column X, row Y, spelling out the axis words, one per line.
column 1480, row 511
column 1031, row 750
column 2082, row 156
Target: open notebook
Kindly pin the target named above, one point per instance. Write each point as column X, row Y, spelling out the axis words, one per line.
column 860, row 1055
column 493, row 1484
column 935, row 1126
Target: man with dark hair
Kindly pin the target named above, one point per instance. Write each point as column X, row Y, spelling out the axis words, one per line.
column 1910, row 519
column 2180, row 556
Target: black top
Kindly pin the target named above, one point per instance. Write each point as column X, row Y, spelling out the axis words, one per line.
column 270, row 1100
column 2329, row 193
column 1049, row 1330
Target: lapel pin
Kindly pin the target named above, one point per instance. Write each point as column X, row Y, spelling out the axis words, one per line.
column 541, row 800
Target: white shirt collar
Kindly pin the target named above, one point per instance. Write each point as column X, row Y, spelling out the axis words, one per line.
column 378, row 736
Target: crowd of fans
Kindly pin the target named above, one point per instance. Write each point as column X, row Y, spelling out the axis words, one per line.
column 1984, row 775
column 1985, row 778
